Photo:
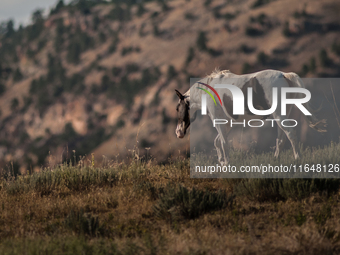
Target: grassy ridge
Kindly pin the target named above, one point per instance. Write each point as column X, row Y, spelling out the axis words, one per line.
column 142, row 207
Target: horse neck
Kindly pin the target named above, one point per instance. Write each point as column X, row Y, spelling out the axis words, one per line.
column 194, row 95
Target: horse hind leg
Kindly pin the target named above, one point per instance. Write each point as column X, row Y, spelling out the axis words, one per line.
column 220, row 142
column 291, row 135
column 217, row 147
column 280, row 141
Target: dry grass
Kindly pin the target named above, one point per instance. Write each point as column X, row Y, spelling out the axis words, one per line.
column 123, row 208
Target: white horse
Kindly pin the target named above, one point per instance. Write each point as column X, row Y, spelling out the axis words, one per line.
column 262, row 84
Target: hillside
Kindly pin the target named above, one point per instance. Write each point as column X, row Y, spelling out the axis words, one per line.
column 146, row 208
column 99, row 77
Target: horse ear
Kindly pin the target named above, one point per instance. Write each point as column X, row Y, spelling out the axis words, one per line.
column 180, row 96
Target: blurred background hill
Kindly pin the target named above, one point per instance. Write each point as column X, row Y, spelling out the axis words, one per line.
column 99, row 76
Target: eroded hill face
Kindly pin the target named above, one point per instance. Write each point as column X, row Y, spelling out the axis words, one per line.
column 100, row 78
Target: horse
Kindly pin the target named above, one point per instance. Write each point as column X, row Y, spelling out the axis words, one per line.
column 262, row 84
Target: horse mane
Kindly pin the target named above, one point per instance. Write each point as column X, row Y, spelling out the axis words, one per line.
column 217, row 72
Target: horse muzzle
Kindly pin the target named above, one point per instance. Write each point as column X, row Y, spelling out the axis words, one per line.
column 179, row 132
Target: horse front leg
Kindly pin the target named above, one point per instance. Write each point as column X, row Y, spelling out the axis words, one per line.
column 221, row 146
column 218, row 148
column 225, row 152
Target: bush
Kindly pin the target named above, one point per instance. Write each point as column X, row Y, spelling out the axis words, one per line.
column 141, row 10
column 59, row 40
column 113, row 45
column 259, row 3
column 73, row 52
column 250, row 31
column 312, row 65
column 246, row 49
column 246, row 68
column 229, row 16
column 171, row 72
column 156, row 31
column 325, row 61
column 263, row 190
column 14, row 104
column 119, row 13
column 201, row 41
column 189, row 16
column 116, row 71
column 190, row 56
column 285, row 31
column 132, row 68
column 336, row 48
column 17, row 76
column 262, row 58
column 34, row 30
column 178, row 202
column 83, row 224
column 120, row 124
column 79, row 42
column 2, row 88
column 207, row 3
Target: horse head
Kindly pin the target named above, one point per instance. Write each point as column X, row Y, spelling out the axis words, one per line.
column 183, row 114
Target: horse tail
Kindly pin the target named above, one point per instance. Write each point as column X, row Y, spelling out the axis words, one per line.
column 295, row 81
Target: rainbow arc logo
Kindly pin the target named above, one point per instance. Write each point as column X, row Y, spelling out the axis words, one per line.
column 213, row 90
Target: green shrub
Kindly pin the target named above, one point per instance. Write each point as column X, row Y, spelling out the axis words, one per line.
column 14, row 104
column 336, row 48
column 304, row 70
column 102, row 37
column 251, row 31
column 171, row 72
column 120, row 124
column 262, row 190
column 147, row 188
column 178, row 202
column 83, row 224
column 73, row 52
column 286, row 31
column 246, row 49
column 323, row 215
column 246, row 68
column 156, row 31
column 190, row 56
column 17, row 76
column 113, row 45
column 312, row 65
column 230, row 16
column 259, row 3
column 116, row 71
column 120, row 13
column 207, row 3
column 2, row 88
column 189, row 16
column 262, row 58
column 141, row 10
column 201, row 41
column 79, row 42
column 132, row 68
column 325, row 61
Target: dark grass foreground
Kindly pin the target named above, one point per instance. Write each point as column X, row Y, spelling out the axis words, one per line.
column 145, row 208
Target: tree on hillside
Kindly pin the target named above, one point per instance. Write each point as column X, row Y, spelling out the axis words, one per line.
column 17, row 76
column 202, row 41
column 35, row 30
column 10, row 28
column 37, row 16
